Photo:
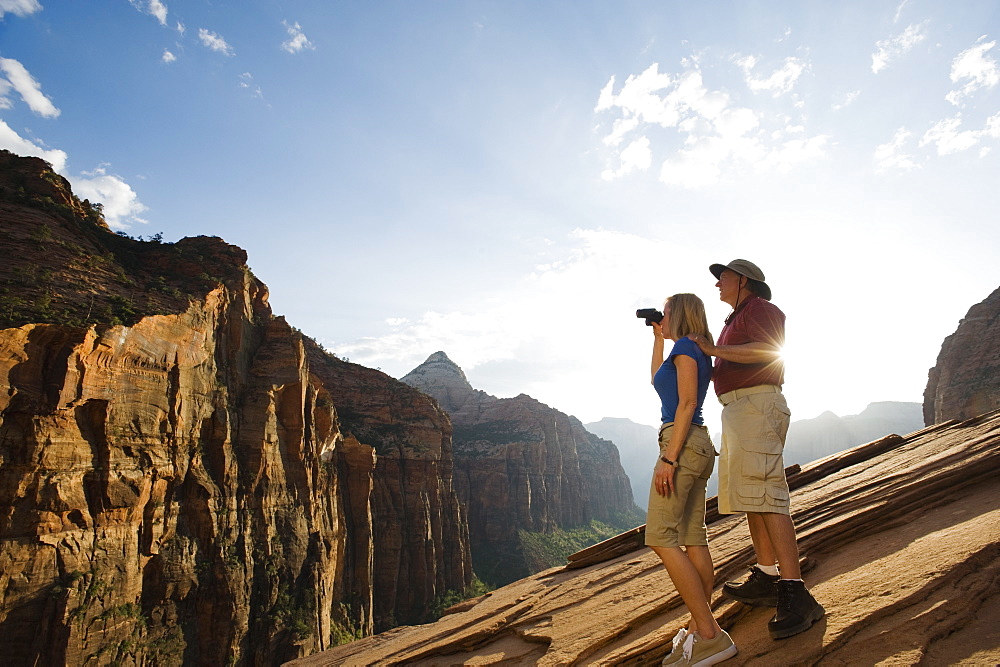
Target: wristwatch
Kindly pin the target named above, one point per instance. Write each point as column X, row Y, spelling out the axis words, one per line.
column 668, row 461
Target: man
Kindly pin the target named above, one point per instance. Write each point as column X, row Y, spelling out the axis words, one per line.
column 748, row 376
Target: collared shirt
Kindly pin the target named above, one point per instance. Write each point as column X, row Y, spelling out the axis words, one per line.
column 756, row 320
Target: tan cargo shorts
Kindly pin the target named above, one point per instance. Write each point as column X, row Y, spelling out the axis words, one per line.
column 679, row 520
column 751, row 467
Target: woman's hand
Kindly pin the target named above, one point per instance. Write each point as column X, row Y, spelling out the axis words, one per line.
column 663, row 478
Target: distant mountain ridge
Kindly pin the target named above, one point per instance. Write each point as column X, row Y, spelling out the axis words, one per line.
column 808, row 439
column 523, row 467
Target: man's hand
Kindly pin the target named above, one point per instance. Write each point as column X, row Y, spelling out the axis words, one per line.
column 704, row 344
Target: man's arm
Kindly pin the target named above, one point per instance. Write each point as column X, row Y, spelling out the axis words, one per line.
column 747, row 353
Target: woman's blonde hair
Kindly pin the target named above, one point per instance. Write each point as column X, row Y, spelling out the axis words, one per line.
column 687, row 316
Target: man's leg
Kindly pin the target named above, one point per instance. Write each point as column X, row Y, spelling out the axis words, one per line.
column 773, row 537
column 762, row 545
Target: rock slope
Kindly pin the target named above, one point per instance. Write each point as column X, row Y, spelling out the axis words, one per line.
column 900, row 540
column 183, row 476
column 523, row 466
column 965, row 380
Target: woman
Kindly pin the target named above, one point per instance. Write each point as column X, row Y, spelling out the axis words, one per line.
column 676, row 514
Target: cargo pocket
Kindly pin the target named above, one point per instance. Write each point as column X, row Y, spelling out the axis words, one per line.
column 777, row 496
column 766, row 497
column 751, row 495
column 764, row 443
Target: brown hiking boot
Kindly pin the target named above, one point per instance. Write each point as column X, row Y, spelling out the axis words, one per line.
column 797, row 610
column 759, row 589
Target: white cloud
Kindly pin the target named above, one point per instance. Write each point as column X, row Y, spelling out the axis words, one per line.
column 975, row 68
column 635, row 157
column 899, row 11
column 152, row 7
column 12, row 141
column 30, row 91
column 168, row 57
column 891, row 155
column 946, row 135
column 779, row 82
column 19, row 7
column 215, row 42
column 247, row 82
column 121, row 204
column 992, row 128
column 639, row 98
column 849, row 99
column 621, row 127
column 697, row 166
column 297, row 40
column 795, row 152
column 896, row 47
column 714, row 133
column 159, row 10
column 606, row 99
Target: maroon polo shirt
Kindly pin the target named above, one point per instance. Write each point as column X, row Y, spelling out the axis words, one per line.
column 756, row 320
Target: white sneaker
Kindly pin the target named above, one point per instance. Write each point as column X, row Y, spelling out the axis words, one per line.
column 676, row 655
column 700, row 652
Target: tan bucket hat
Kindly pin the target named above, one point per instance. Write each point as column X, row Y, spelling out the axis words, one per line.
column 745, row 268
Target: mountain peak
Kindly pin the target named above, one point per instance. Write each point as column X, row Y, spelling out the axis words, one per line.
column 441, row 378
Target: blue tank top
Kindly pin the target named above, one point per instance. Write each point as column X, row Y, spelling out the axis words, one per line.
column 665, row 380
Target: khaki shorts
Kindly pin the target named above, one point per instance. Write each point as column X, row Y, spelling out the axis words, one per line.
column 680, row 519
column 751, row 467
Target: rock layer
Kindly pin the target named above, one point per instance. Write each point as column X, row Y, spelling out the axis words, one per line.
column 522, row 466
column 900, row 542
column 965, row 380
column 177, row 483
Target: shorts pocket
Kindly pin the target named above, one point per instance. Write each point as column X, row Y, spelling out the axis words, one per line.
column 772, row 419
column 777, row 496
column 763, row 496
column 751, row 494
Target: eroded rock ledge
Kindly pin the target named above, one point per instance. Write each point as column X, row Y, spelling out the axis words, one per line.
column 900, row 540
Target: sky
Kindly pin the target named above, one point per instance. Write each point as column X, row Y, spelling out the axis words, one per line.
column 508, row 181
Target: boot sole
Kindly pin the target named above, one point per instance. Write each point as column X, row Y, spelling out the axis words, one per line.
column 717, row 658
column 816, row 614
column 753, row 602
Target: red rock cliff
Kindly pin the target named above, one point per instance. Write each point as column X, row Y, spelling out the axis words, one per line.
column 176, row 484
column 965, row 381
column 523, row 466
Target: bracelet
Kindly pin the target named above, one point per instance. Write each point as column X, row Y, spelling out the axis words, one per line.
column 668, row 461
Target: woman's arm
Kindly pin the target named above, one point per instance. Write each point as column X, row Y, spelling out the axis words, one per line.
column 657, row 360
column 687, row 395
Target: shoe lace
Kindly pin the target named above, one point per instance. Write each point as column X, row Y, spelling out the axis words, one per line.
column 784, row 596
column 679, row 638
column 689, row 646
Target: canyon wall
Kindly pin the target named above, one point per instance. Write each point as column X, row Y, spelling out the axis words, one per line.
column 177, row 481
column 523, row 466
column 965, row 380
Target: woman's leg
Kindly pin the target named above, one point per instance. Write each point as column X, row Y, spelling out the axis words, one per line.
column 701, row 558
column 690, row 585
